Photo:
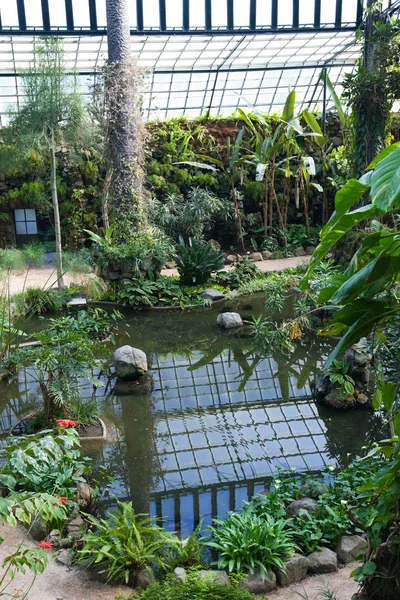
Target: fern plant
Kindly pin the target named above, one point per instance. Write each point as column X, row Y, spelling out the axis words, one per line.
column 125, row 543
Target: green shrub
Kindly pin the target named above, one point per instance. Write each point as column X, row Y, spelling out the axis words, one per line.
column 125, row 543
column 38, row 301
column 197, row 261
column 34, row 254
column 246, row 541
column 192, row 589
column 12, row 259
column 241, row 273
column 80, row 261
column 84, row 411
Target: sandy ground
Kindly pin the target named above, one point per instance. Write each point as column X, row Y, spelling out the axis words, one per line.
column 340, row 584
column 62, row 583
column 46, row 277
column 57, row 582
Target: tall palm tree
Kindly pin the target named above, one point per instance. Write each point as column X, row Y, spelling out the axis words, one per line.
column 125, row 127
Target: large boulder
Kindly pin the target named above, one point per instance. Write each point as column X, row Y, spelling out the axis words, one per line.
column 322, row 561
column 213, row 295
column 300, row 252
column 307, row 504
column 129, row 362
column 220, row 577
column 145, row 578
column 255, row 584
column 296, row 569
column 229, row 320
column 350, row 547
column 255, row 257
column 266, row 254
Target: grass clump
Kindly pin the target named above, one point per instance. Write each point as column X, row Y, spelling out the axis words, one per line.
column 39, row 301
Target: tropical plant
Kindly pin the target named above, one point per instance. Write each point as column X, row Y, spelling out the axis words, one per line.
column 338, row 374
column 241, row 272
column 126, row 543
column 52, row 113
column 196, row 261
column 39, row 300
column 245, row 542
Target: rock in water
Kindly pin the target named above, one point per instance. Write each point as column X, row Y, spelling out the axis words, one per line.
column 129, row 362
column 213, row 295
column 229, row 320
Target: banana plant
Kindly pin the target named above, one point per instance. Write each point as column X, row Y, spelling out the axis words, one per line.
column 232, row 167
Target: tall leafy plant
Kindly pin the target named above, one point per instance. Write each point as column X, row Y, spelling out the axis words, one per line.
column 52, row 113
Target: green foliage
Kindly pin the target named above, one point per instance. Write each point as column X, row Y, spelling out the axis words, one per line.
column 196, row 261
column 193, row 588
column 12, row 259
column 84, row 411
column 44, row 463
column 142, row 292
column 38, row 301
column 95, row 323
column 79, row 261
column 297, row 236
column 241, row 273
column 338, row 374
column 189, row 217
column 125, row 543
column 245, row 541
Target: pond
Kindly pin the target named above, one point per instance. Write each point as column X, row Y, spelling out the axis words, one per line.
column 215, row 424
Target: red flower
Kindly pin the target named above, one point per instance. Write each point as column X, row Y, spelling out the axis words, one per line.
column 62, row 499
column 67, row 423
column 44, row 544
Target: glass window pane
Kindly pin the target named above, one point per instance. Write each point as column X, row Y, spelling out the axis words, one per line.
column 19, row 214
column 20, row 228
column 31, row 227
column 30, row 214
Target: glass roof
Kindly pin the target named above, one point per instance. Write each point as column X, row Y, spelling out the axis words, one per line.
column 219, row 56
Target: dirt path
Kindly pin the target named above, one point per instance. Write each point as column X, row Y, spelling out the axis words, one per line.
column 46, row 277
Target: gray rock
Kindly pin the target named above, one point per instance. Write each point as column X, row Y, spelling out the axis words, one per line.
column 255, row 256
column 336, row 400
column 322, row 561
column 296, row 569
column 64, row 557
column 309, row 250
column 144, row 578
column 134, row 387
column 76, row 524
column 229, row 320
column 38, row 530
column 230, row 259
column 83, row 491
column 307, row 504
column 180, row 573
column 65, row 543
column 256, row 585
column 55, row 533
column 362, row 399
column 314, row 489
column 356, row 358
column 336, row 141
column 299, row 252
column 129, row 362
column 217, row 576
column 267, row 255
column 212, row 295
column 350, row 547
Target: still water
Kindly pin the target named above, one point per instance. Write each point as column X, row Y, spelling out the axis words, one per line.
column 215, row 422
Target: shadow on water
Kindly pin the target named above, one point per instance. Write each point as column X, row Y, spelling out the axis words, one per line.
column 216, row 421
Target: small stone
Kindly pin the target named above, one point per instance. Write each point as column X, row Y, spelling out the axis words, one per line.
column 55, row 533
column 335, row 399
column 309, row 250
column 350, row 547
column 65, row 543
column 266, row 254
column 83, row 491
column 216, row 246
column 314, row 489
column 336, row 141
column 180, row 573
column 230, row 259
column 64, row 557
column 38, row 530
column 129, row 362
column 296, row 569
column 220, row 577
column 255, row 584
column 362, row 399
column 322, row 561
column 255, row 257
column 307, row 504
column 229, row 320
column 213, row 295
column 145, row 578
column 76, row 524
column 300, row 252
column 170, row 265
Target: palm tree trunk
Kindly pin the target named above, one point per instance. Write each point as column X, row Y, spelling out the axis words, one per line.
column 57, row 224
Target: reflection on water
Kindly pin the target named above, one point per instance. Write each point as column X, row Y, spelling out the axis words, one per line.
column 216, row 423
